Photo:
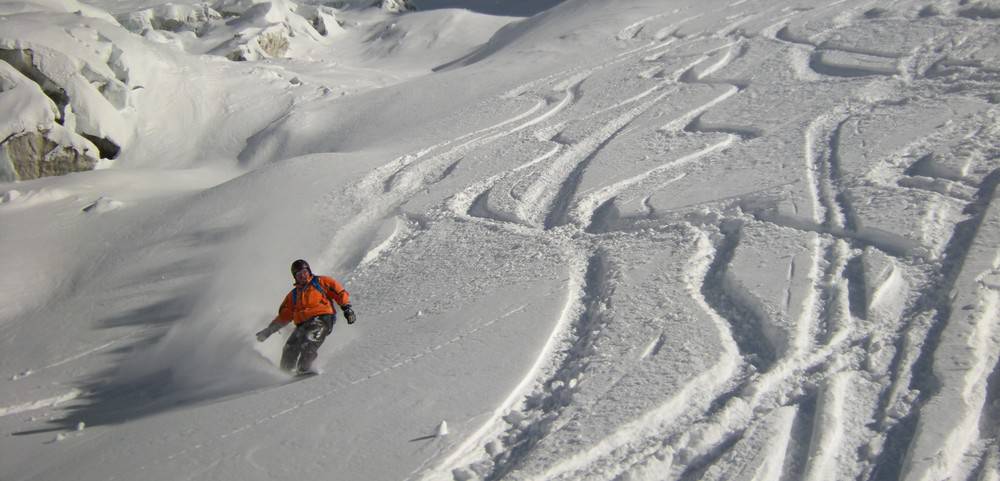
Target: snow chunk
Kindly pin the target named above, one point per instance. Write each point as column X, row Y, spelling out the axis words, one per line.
column 885, row 288
column 102, row 205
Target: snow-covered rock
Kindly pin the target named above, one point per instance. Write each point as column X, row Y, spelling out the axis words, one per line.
column 33, row 154
column 265, row 29
column 84, row 72
column 323, row 18
column 239, row 30
column 172, row 17
column 395, row 6
column 34, row 144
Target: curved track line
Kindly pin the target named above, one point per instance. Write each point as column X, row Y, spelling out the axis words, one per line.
column 28, row 372
column 681, row 122
column 471, row 447
column 631, row 31
column 583, row 212
column 540, row 197
column 705, row 387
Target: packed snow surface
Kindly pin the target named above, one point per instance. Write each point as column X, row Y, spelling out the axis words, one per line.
column 586, row 240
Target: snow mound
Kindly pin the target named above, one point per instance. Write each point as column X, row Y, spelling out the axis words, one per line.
column 418, row 35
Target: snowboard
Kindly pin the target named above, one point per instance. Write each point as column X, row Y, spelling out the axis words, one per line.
column 304, row 375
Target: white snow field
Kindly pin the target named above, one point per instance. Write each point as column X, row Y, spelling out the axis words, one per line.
column 586, row 240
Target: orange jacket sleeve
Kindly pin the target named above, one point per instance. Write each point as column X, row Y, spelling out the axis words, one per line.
column 285, row 311
column 335, row 290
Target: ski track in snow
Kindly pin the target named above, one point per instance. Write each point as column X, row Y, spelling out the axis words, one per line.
column 95, row 350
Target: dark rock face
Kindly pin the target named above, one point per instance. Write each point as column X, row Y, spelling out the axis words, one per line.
column 106, row 148
column 24, row 62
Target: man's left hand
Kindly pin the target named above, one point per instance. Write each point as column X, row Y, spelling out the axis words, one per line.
column 349, row 313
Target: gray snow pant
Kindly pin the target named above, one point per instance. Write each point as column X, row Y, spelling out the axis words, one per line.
column 303, row 345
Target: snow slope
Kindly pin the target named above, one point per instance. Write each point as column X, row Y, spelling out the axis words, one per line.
column 631, row 240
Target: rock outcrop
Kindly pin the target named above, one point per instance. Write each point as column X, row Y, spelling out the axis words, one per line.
column 32, row 155
column 395, row 6
column 265, row 29
column 252, row 29
column 171, row 17
column 33, row 142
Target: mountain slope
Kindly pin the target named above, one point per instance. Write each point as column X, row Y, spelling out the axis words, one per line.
column 614, row 240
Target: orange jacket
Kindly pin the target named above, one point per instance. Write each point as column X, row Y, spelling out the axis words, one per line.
column 305, row 302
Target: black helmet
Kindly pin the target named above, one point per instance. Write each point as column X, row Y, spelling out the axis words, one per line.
column 300, row 264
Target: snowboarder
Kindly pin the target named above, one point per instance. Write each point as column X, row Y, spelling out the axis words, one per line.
column 310, row 305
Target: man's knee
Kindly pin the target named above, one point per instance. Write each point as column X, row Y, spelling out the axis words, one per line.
column 318, row 328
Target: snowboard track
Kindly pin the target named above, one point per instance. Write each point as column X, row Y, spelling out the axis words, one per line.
column 937, row 299
column 553, row 394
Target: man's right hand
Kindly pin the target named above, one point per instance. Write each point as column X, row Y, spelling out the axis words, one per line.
column 266, row 332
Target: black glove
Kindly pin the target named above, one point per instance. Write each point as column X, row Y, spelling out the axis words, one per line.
column 266, row 332
column 349, row 313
